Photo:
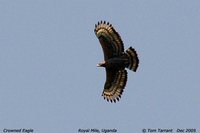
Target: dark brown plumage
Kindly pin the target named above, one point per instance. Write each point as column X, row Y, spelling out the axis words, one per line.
column 115, row 60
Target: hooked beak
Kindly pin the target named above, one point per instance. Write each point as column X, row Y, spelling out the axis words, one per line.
column 102, row 64
column 98, row 65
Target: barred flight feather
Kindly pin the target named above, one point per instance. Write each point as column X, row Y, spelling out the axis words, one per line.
column 115, row 60
column 106, row 30
column 116, row 89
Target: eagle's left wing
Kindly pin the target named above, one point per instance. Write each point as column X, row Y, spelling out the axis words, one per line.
column 110, row 40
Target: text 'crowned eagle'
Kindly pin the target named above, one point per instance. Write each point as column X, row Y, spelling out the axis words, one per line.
column 115, row 60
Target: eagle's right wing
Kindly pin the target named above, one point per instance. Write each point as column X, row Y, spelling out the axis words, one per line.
column 114, row 85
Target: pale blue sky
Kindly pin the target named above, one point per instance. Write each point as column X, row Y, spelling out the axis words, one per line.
column 48, row 54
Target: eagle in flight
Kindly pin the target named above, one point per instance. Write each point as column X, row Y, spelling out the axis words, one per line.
column 115, row 60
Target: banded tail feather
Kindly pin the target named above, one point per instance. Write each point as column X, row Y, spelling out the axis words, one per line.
column 133, row 60
column 116, row 60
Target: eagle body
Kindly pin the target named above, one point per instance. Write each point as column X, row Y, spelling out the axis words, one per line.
column 115, row 60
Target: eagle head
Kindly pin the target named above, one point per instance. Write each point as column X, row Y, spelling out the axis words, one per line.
column 101, row 64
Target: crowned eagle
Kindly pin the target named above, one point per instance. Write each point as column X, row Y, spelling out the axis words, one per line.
column 115, row 60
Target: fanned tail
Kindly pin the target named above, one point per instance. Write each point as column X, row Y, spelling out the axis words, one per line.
column 133, row 60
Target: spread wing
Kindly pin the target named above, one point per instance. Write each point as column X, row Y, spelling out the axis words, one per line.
column 114, row 85
column 110, row 40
